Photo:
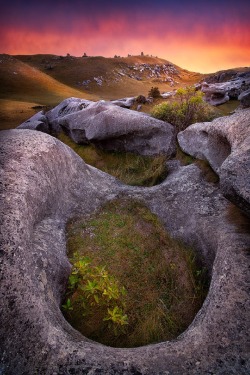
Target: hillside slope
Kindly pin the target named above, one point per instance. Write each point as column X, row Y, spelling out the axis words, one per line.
column 112, row 78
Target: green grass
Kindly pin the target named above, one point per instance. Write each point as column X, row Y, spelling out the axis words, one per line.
column 129, row 168
column 164, row 287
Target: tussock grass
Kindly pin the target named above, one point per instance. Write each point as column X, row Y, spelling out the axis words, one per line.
column 165, row 289
column 129, row 168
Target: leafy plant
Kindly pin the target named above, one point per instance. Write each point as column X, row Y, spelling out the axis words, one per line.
column 129, row 246
column 92, row 287
column 187, row 109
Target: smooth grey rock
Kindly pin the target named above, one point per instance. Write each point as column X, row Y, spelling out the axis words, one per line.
column 37, row 122
column 125, row 102
column 225, row 144
column 119, row 129
column 43, row 184
column 219, row 93
column 244, row 98
column 214, row 94
column 66, row 107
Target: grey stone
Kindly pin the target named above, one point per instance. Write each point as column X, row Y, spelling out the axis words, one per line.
column 43, row 184
column 225, row 144
column 67, row 106
column 125, row 102
column 244, row 98
column 219, row 93
column 119, row 129
column 37, row 122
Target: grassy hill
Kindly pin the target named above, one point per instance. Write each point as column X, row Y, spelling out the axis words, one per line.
column 29, row 81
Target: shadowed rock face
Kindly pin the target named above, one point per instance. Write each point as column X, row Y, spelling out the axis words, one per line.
column 221, row 92
column 43, row 184
column 120, row 129
column 37, row 122
column 225, row 144
column 108, row 126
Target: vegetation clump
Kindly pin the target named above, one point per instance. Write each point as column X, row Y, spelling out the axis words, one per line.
column 129, row 168
column 187, row 109
column 141, row 99
column 154, row 92
column 131, row 283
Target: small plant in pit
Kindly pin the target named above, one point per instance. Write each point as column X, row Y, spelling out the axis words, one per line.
column 129, row 248
column 94, row 290
column 187, row 109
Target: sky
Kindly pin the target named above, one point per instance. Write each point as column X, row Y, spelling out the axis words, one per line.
column 201, row 36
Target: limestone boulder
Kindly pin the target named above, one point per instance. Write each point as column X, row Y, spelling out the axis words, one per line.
column 225, row 144
column 125, row 102
column 119, row 129
column 43, row 184
column 244, row 98
column 37, row 122
column 221, row 92
column 67, row 106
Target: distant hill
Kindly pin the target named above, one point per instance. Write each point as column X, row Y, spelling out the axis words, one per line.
column 111, row 78
column 28, row 81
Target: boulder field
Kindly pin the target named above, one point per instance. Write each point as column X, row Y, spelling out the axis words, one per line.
column 43, row 184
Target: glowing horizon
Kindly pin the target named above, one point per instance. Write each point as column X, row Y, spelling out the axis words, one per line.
column 199, row 41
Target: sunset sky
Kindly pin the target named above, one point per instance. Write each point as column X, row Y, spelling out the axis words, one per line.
column 202, row 36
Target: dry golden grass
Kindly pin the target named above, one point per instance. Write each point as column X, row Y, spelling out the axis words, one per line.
column 28, row 79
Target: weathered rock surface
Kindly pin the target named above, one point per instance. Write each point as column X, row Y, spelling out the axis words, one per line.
column 37, row 122
column 244, row 98
column 119, row 129
column 219, row 93
column 43, row 184
column 125, row 102
column 66, row 107
column 225, row 144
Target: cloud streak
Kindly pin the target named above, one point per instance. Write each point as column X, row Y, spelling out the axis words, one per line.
column 195, row 37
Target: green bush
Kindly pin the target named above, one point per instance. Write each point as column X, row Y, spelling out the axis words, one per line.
column 154, row 92
column 95, row 292
column 187, row 109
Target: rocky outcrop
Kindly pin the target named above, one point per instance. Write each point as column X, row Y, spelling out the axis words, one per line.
column 219, row 93
column 43, row 184
column 107, row 125
column 67, row 106
column 118, row 129
column 244, row 98
column 37, row 122
column 225, row 144
column 125, row 102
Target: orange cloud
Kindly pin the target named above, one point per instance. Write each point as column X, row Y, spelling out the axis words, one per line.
column 196, row 46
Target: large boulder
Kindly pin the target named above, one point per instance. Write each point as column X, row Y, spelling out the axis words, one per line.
column 225, row 144
column 67, row 106
column 43, row 184
column 119, row 129
column 37, row 122
column 125, row 102
column 219, row 93
column 244, row 98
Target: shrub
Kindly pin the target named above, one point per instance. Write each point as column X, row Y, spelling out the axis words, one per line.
column 154, row 92
column 187, row 109
column 96, row 292
column 141, row 99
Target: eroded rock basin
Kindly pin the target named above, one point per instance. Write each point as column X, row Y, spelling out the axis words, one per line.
column 43, row 185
